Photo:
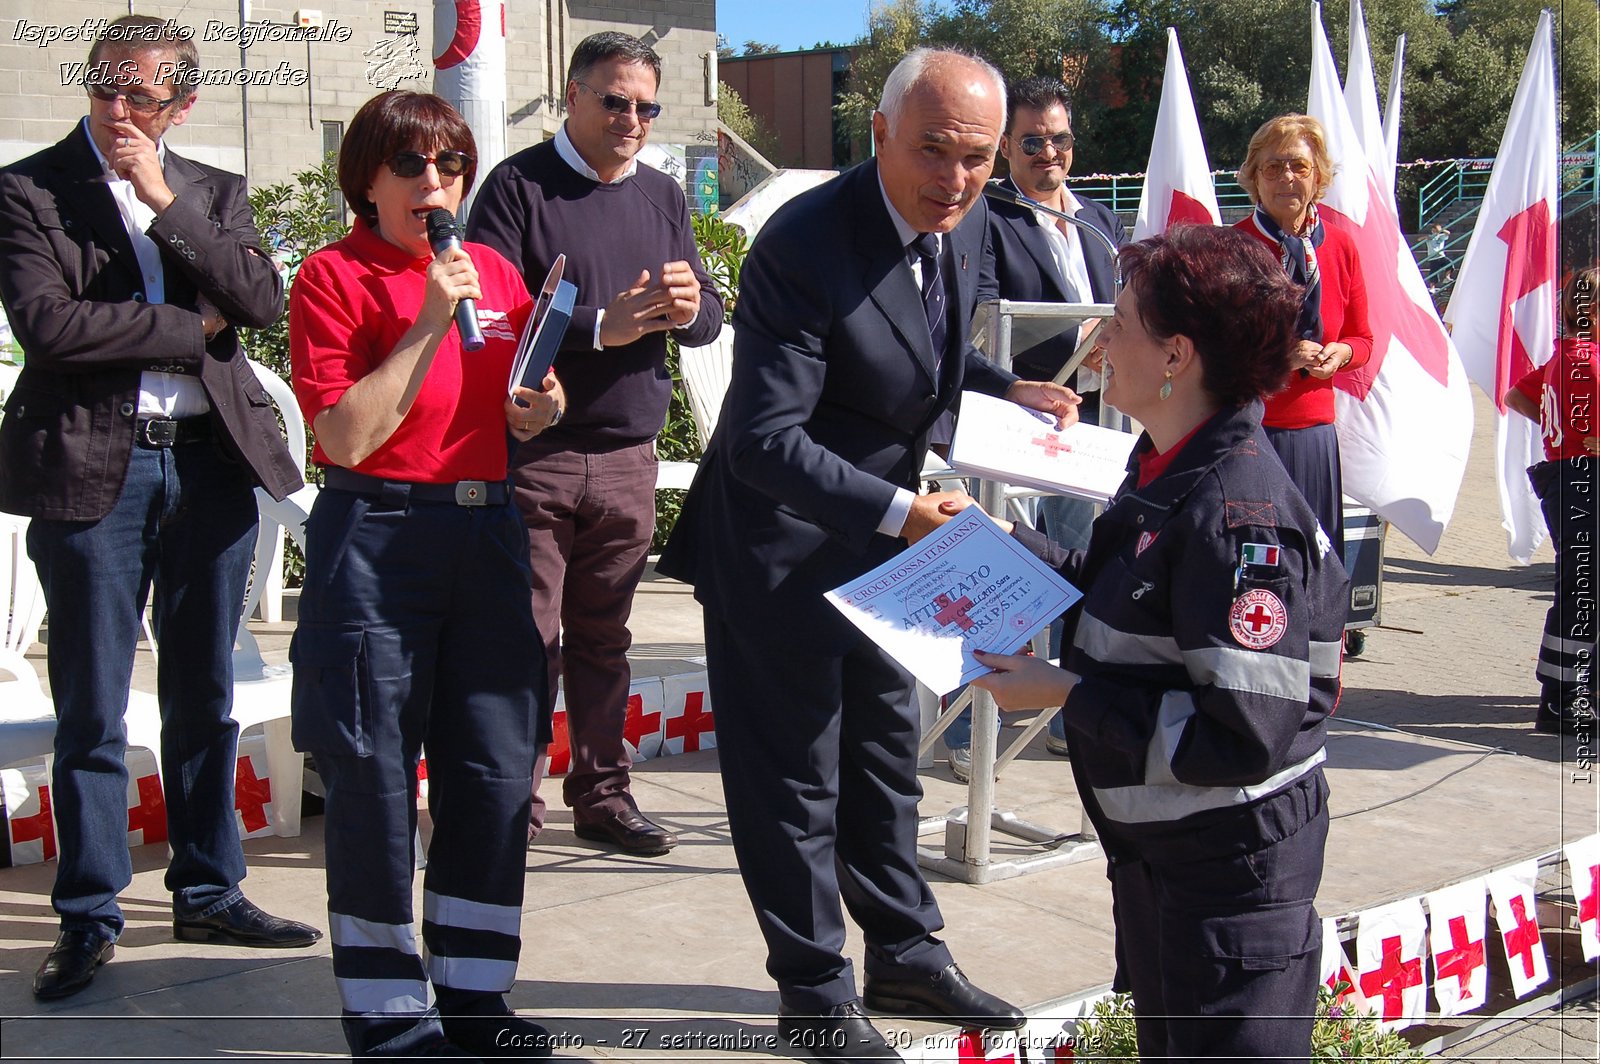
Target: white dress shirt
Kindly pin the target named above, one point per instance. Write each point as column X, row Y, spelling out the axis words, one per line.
column 160, row 394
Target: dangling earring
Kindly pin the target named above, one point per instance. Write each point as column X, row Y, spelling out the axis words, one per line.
column 1166, row 387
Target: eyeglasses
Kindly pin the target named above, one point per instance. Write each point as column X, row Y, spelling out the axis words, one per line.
column 1277, row 168
column 137, row 101
column 449, row 163
column 1032, row 146
column 621, row 105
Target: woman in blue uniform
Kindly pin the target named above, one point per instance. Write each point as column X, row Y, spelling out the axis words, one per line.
column 1203, row 662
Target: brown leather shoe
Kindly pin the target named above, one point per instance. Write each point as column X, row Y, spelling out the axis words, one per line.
column 630, row 832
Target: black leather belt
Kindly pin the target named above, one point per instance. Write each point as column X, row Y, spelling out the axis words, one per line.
column 460, row 492
column 159, row 432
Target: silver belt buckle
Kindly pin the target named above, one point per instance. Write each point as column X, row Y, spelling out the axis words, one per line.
column 158, row 432
column 472, row 493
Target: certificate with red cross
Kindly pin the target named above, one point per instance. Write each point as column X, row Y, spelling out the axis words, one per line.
column 966, row 587
column 999, row 440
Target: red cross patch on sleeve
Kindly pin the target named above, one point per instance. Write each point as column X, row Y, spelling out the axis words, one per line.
column 1258, row 619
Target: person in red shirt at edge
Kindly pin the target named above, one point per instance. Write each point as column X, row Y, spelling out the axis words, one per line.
column 1287, row 171
column 1560, row 396
column 415, row 624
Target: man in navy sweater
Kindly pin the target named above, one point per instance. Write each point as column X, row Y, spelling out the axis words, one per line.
column 587, row 486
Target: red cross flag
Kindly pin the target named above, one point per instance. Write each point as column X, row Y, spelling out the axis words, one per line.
column 1177, row 183
column 1583, row 860
column 1361, row 96
column 1389, row 966
column 1456, row 935
column 1511, row 890
column 1405, row 418
column 686, row 720
column 1503, row 310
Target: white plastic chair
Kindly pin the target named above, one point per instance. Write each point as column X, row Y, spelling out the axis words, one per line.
column 706, row 373
column 260, row 691
column 27, row 720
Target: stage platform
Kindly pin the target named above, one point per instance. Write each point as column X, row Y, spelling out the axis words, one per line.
column 1436, row 775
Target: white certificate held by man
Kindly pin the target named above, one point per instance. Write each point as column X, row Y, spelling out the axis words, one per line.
column 1006, row 442
column 967, row 586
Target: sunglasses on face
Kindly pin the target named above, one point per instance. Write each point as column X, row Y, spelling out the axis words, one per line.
column 621, row 105
column 1032, row 146
column 137, row 101
column 1277, row 168
column 449, row 163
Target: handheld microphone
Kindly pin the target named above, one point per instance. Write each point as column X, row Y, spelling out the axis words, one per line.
column 442, row 236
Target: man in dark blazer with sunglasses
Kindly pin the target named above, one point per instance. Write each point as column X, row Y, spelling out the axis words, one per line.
column 849, row 344
column 587, row 487
column 134, row 440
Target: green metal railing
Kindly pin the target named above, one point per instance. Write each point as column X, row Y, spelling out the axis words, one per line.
column 1121, row 192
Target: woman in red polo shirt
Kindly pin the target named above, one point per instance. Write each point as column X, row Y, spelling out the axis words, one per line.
column 1560, row 396
column 415, row 621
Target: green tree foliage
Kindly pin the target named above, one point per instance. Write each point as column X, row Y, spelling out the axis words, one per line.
column 1248, row 60
column 734, row 113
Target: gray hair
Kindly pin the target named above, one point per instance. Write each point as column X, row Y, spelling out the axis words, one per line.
column 916, row 65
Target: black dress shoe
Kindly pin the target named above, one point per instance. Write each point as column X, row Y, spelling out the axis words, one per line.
column 946, row 995
column 629, row 832
column 506, row 1035
column 242, row 924
column 841, row 1033
column 71, row 963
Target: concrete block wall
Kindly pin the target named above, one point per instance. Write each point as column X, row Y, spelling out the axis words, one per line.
column 278, row 128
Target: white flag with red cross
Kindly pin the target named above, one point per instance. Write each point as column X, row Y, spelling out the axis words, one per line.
column 1457, row 932
column 1405, row 418
column 1390, row 971
column 1177, row 183
column 30, row 826
column 1511, row 889
column 1583, row 861
column 1361, row 97
column 1503, row 309
column 1391, row 111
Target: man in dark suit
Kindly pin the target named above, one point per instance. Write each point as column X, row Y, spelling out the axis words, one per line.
column 1039, row 259
column 853, row 307
column 134, row 439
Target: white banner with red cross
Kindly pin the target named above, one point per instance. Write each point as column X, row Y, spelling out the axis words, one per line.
column 1583, row 861
column 686, row 720
column 1390, row 971
column 1336, row 967
column 1511, row 890
column 30, row 826
column 1457, row 936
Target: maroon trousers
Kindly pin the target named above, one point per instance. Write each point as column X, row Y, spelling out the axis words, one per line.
column 590, row 517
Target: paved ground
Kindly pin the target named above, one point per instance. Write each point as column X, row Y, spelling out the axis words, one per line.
column 657, row 959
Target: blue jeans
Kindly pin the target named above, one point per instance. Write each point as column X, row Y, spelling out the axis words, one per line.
column 186, row 519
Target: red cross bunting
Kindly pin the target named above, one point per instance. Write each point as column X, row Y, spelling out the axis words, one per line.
column 1185, row 208
column 559, row 752
column 1462, row 959
column 1589, row 908
column 150, row 815
column 251, row 796
column 38, row 826
column 1051, row 444
column 1523, row 939
column 954, row 612
column 970, row 1050
column 694, row 722
column 638, row 723
column 1392, row 978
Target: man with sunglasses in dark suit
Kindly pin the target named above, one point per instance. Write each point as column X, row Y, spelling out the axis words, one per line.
column 586, row 487
column 134, row 439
